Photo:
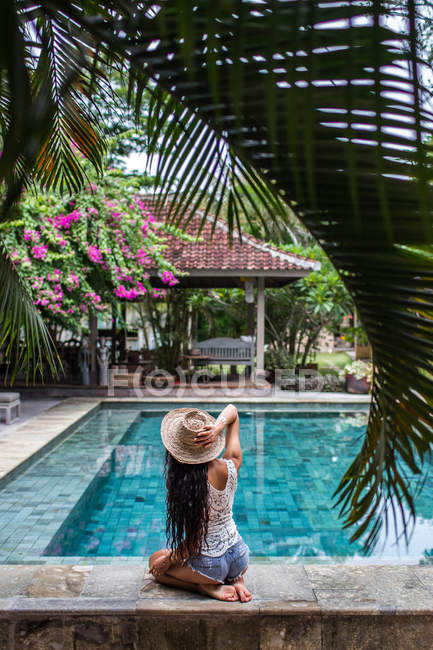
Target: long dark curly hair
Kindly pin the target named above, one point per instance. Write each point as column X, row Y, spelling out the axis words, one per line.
column 187, row 505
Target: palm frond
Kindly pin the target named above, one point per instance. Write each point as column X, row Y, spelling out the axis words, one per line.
column 24, row 338
column 73, row 128
column 197, row 170
column 326, row 100
column 49, row 71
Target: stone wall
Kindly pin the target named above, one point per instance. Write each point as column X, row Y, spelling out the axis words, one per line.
column 294, row 607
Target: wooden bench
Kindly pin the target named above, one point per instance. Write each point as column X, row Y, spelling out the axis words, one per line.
column 8, row 401
column 227, row 351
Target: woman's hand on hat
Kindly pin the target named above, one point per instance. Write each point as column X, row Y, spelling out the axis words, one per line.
column 206, row 437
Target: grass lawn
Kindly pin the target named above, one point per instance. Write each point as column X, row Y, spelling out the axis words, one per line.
column 332, row 362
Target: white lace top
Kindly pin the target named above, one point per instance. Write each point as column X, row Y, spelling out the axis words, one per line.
column 222, row 532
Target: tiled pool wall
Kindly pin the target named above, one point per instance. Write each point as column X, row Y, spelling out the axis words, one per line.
column 32, row 513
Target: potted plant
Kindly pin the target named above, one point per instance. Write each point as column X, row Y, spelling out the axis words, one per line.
column 358, row 376
column 277, row 358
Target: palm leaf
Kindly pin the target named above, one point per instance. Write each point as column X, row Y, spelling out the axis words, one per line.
column 326, row 101
column 24, row 337
column 48, row 124
column 197, row 169
column 73, row 128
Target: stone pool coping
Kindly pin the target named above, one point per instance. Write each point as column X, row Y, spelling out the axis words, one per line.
column 305, row 607
column 41, row 433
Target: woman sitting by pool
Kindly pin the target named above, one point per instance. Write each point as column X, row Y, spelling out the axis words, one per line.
column 206, row 552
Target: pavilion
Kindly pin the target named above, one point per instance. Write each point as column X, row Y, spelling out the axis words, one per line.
column 215, row 261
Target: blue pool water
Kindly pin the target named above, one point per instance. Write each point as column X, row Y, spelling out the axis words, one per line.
column 101, row 494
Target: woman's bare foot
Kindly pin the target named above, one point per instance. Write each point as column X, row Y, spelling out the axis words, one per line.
column 241, row 590
column 220, row 592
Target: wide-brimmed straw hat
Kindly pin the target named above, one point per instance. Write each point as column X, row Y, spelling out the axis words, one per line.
column 178, row 430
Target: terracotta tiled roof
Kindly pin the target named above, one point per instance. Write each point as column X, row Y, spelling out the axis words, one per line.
column 215, row 253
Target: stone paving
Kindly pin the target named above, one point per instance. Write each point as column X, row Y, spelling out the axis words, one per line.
column 30, row 408
column 293, row 607
column 184, row 392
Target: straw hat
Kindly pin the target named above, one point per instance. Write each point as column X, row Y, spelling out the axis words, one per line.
column 178, row 430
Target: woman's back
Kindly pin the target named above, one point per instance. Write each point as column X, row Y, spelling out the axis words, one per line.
column 222, row 532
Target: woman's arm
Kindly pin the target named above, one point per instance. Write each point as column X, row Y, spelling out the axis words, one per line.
column 228, row 418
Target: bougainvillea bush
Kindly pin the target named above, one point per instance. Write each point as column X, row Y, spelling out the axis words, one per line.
column 82, row 254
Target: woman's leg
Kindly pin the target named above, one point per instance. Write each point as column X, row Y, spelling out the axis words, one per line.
column 183, row 577
column 163, row 552
column 200, row 583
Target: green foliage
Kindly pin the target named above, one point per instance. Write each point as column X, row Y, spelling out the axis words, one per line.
column 331, row 362
column 297, row 313
column 278, row 358
column 20, row 320
column 168, row 320
column 223, row 312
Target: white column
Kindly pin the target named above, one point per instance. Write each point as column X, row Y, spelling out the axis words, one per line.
column 260, row 330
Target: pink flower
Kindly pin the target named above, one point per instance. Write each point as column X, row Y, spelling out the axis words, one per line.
column 93, row 297
column 32, row 235
column 40, row 252
column 122, row 292
column 168, row 278
column 14, row 256
column 143, row 257
column 95, row 254
column 65, row 220
column 72, row 281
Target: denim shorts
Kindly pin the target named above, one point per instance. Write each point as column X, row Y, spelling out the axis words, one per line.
column 228, row 567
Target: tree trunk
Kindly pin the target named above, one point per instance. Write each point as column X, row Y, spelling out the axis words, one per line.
column 113, row 335
column 93, row 338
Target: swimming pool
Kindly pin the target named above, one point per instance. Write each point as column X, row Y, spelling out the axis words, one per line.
column 99, row 495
